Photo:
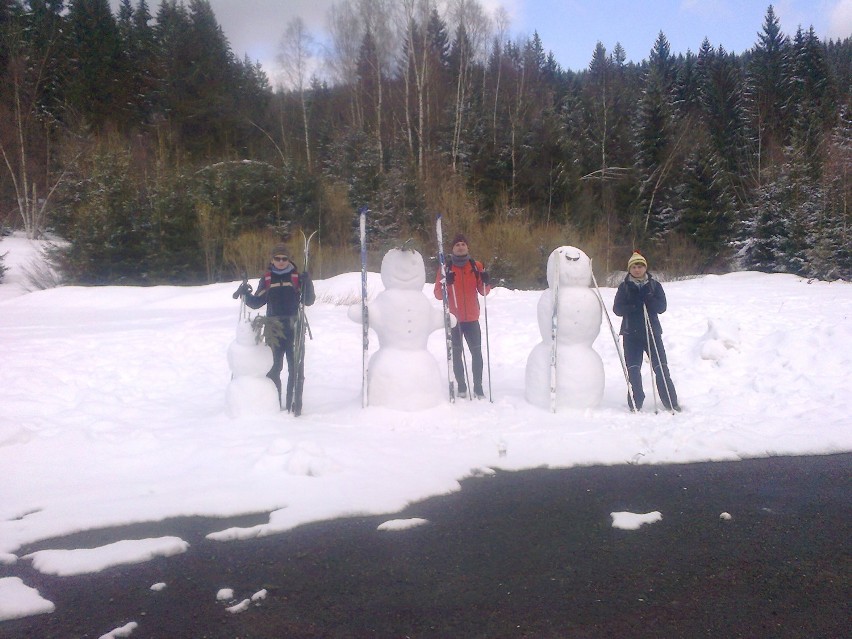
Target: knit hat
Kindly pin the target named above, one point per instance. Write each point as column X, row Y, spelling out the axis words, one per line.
column 637, row 258
column 280, row 249
column 460, row 238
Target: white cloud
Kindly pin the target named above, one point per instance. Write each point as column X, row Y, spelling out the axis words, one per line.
column 840, row 20
column 707, row 8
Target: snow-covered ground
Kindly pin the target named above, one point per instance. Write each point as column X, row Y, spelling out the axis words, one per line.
column 113, row 409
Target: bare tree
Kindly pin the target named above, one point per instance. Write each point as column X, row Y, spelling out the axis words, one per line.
column 377, row 18
column 346, row 31
column 416, row 14
column 18, row 138
column 472, row 26
column 295, row 54
column 501, row 24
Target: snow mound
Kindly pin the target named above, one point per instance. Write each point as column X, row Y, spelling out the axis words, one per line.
column 634, row 521
column 402, row 524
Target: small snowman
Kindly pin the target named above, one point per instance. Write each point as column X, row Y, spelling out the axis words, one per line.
column 402, row 373
column 579, row 369
column 250, row 391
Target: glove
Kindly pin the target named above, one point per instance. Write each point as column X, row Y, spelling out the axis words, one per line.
column 485, row 277
column 306, row 277
column 646, row 293
column 451, row 277
column 244, row 289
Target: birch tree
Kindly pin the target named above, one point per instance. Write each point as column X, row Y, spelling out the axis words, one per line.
column 346, row 32
column 471, row 36
column 295, row 54
column 417, row 68
column 24, row 137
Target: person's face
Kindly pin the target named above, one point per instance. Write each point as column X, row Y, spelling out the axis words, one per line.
column 460, row 248
column 280, row 260
column 638, row 270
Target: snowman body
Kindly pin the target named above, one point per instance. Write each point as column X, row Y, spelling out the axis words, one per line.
column 579, row 368
column 250, row 391
column 402, row 373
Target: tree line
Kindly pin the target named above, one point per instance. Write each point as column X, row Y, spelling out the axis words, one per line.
column 159, row 156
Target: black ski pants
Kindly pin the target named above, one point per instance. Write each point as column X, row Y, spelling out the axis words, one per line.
column 635, row 346
column 473, row 336
column 281, row 351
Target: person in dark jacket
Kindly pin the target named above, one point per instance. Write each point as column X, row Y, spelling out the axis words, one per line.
column 640, row 296
column 465, row 280
column 281, row 288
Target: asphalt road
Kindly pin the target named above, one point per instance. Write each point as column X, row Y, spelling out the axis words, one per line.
column 528, row 554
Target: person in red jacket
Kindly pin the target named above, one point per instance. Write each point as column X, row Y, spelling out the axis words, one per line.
column 466, row 279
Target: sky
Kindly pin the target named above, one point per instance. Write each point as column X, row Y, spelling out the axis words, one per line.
column 569, row 28
column 118, row 408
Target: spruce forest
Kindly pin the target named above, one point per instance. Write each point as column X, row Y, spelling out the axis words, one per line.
column 158, row 156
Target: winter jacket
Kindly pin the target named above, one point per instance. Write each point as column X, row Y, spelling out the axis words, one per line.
column 280, row 292
column 629, row 299
column 462, row 295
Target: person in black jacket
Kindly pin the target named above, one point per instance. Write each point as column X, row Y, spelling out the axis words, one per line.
column 637, row 294
column 281, row 288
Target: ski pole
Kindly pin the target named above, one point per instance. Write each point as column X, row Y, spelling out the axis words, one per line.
column 554, row 341
column 648, row 333
column 487, row 343
column 662, row 370
column 365, row 316
column 241, row 293
column 615, row 340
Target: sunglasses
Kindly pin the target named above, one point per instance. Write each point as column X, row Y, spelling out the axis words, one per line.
column 280, row 258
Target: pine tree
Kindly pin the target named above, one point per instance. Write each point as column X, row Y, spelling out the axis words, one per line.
column 138, row 45
column 766, row 93
column 812, row 97
column 97, row 88
column 657, row 141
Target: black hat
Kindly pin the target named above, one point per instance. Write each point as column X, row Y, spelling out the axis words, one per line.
column 460, row 238
column 280, row 249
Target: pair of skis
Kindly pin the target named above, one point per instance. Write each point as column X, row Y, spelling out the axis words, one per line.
column 365, row 319
column 302, row 330
column 448, row 328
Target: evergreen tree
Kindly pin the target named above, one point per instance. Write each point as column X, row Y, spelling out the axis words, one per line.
column 766, row 92
column 97, row 90
column 812, row 100
column 139, row 47
column 199, row 79
column 657, row 141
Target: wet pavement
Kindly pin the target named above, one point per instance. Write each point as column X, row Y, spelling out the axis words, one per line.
column 524, row 554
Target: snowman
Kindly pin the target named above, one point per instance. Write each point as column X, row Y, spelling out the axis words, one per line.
column 579, row 369
column 402, row 374
column 250, row 391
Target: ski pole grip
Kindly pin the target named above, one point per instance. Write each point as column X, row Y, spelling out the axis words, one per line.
column 241, row 289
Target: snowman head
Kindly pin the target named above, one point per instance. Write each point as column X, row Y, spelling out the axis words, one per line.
column 569, row 266
column 245, row 334
column 403, row 269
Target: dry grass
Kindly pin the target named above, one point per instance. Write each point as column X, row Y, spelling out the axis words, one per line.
column 39, row 274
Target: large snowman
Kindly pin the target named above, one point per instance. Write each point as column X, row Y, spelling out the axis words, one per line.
column 402, row 374
column 579, row 369
column 250, row 391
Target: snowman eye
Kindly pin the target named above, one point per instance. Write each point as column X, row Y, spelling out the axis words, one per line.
column 573, row 259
